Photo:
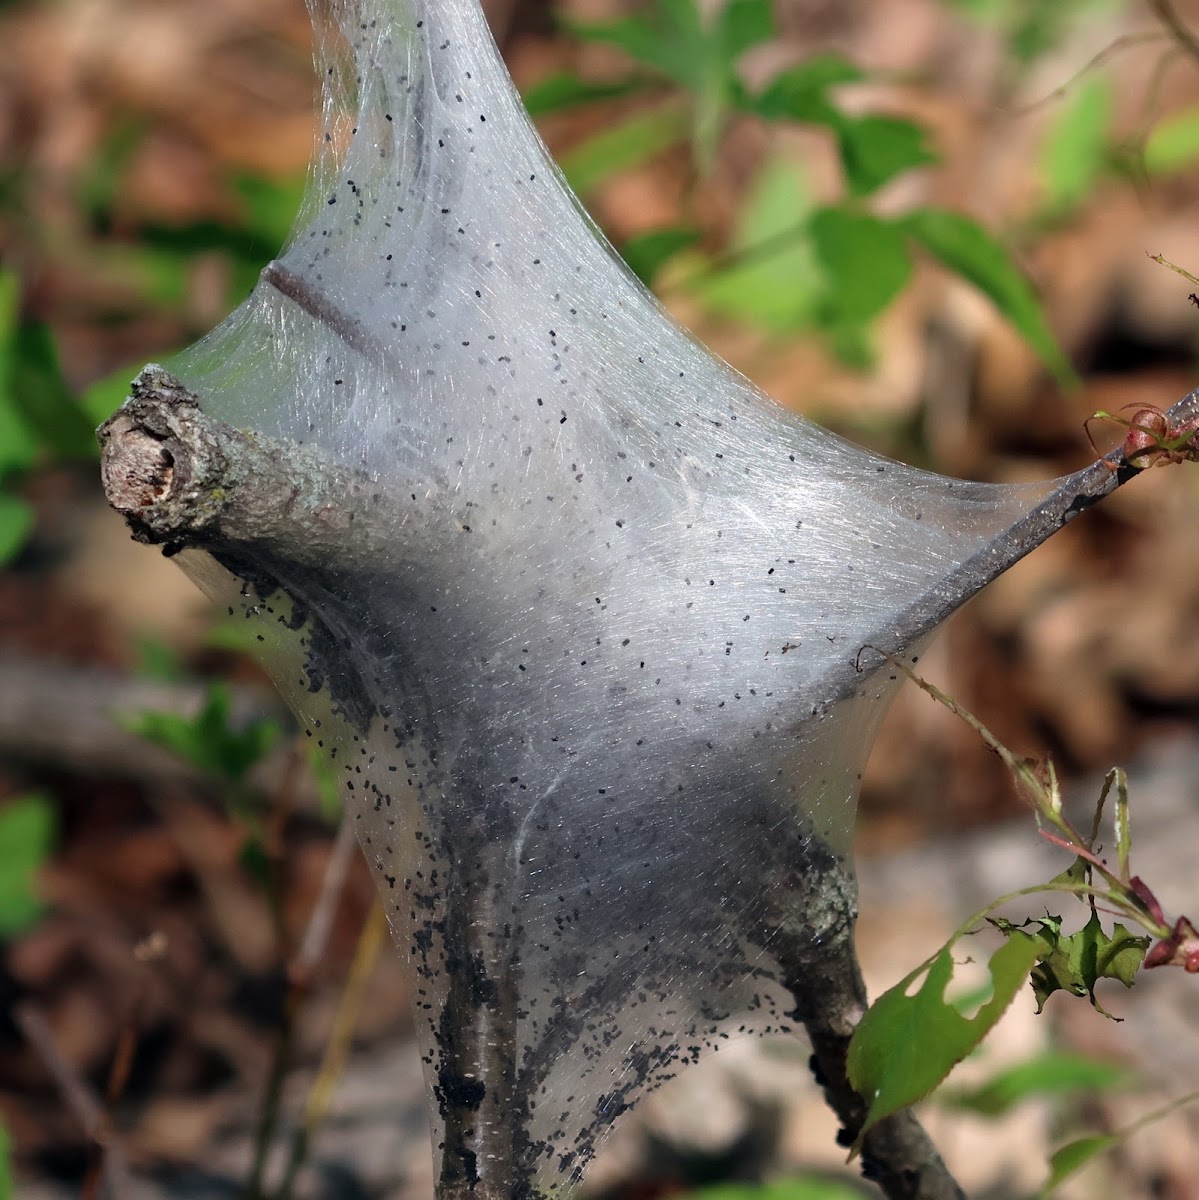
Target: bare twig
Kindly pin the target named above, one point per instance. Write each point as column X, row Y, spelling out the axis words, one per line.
column 366, row 955
column 316, row 936
column 1073, row 496
column 78, row 1096
column 1164, row 11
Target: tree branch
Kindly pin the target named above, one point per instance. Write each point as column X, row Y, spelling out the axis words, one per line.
column 1074, row 495
column 182, row 479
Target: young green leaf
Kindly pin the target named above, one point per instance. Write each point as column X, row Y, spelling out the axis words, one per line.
column 865, row 261
column 41, row 395
column 16, row 524
column 101, row 399
column 328, row 785
column 803, row 1188
column 1073, row 1156
column 742, row 24
column 966, row 248
column 646, row 42
column 26, row 836
column 647, row 253
column 209, row 740
column 18, row 446
column 906, row 1044
column 1076, row 962
column 8, row 1187
column 564, row 90
column 800, row 93
column 1173, row 143
column 623, row 146
column 875, row 148
column 1053, row 1073
column 1075, row 150
column 774, row 280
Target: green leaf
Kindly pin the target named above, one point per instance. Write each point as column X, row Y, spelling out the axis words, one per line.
column 775, row 280
column 865, row 261
column 1076, row 962
column 101, row 399
column 208, row 740
column 18, row 447
column 254, row 860
column 1049, row 1074
column 1073, row 1156
column 803, row 1188
column 742, row 24
column 876, row 148
column 1173, row 143
column 647, row 253
column 159, row 660
column 43, row 398
column 100, row 182
column 801, row 93
column 906, row 1044
column 624, row 146
column 26, row 837
column 639, row 39
column 16, row 524
column 966, row 248
column 328, row 784
column 1075, row 150
column 565, row 90
column 8, row 1188
column 271, row 207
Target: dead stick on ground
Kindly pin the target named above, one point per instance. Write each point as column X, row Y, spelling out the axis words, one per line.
column 78, row 1096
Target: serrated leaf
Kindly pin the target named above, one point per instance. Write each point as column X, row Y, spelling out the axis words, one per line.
column 876, row 148
column 1076, row 962
column 1049, row 1074
column 1173, row 143
column 623, row 146
column 26, row 836
column 906, row 1045
column 16, row 524
column 647, row 253
column 800, row 93
column 967, row 249
column 565, row 90
column 1075, row 149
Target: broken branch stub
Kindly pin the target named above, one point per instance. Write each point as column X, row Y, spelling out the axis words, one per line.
column 182, row 479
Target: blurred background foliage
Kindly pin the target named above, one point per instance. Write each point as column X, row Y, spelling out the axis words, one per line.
column 923, row 223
